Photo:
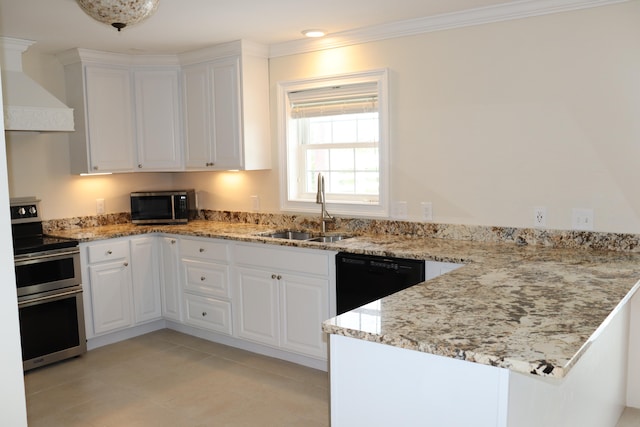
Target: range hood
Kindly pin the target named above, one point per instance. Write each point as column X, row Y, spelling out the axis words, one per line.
column 27, row 105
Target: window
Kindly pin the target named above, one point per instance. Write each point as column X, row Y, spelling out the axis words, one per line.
column 335, row 126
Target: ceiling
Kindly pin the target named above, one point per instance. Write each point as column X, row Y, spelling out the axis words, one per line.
column 184, row 25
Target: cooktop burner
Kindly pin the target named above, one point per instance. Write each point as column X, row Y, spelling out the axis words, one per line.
column 26, row 228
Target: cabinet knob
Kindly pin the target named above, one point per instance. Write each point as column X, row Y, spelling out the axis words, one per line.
column 95, row 168
column 202, row 278
column 204, row 313
column 201, row 249
column 109, row 252
column 126, row 264
column 139, row 165
column 273, row 276
column 209, row 164
column 173, row 241
column 279, row 277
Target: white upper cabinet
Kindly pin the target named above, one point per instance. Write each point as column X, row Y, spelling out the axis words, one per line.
column 158, row 132
column 102, row 101
column 128, row 115
column 226, row 108
column 130, row 110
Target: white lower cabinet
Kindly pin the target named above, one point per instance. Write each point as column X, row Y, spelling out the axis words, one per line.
column 270, row 295
column 170, row 289
column 123, row 285
column 109, row 287
column 204, row 265
column 146, row 279
column 282, row 297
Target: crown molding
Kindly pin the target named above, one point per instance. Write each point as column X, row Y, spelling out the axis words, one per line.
column 485, row 15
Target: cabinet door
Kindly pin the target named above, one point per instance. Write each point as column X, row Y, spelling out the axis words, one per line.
column 197, row 117
column 146, row 281
column 110, row 131
column 257, row 302
column 169, row 279
column 227, row 140
column 158, row 120
column 304, row 303
column 110, row 296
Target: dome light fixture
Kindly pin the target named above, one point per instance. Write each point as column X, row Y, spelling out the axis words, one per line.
column 314, row 33
column 119, row 13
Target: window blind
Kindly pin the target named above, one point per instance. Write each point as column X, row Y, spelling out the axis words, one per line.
column 336, row 100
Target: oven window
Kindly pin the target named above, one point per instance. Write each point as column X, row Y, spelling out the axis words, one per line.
column 151, row 207
column 49, row 327
column 45, row 272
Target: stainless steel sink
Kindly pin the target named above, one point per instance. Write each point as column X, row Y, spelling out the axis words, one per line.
column 303, row 236
column 328, row 239
column 290, row 235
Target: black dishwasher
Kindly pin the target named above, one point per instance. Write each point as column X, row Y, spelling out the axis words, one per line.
column 361, row 279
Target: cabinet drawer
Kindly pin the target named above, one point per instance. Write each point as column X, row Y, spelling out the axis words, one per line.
column 108, row 251
column 206, row 277
column 283, row 259
column 203, row 249
column 208, row 313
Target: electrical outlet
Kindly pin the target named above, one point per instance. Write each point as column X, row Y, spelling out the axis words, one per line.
column 539, row 216
column 582, row 219
column 427, row 211
column 99, row 206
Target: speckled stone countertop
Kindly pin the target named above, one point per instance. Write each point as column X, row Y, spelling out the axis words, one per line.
column 531, row 309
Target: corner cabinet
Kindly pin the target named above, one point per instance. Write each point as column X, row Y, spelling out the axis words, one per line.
column 226, row 108
column 282, row 297
column 127, row 116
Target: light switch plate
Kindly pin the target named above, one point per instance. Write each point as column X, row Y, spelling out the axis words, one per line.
column 427, row 211
column 99, row 206
column 582, row 219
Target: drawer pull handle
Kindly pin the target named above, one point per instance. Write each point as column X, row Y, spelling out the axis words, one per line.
column 202, row 278
column 201, row 249
column 109, row 252
column 204, row 313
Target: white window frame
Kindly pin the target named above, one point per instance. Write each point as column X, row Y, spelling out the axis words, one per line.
column 337, row 207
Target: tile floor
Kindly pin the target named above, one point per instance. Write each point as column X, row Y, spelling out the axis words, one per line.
column 166, row 378
column 630, row 418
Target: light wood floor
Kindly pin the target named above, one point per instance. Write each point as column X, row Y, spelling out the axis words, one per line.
column 166, row 378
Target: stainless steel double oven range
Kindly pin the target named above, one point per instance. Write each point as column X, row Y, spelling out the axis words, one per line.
column 49, row 289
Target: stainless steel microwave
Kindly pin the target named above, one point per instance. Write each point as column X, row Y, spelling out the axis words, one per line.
column 163, row 207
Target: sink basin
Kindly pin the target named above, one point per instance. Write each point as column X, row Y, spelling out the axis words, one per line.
column 304, row 236
column 328, row 239
column 290, row 235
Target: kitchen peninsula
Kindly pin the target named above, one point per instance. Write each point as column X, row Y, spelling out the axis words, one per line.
column 522, row 335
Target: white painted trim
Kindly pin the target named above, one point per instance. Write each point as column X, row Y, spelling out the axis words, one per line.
column 485, row 15
column 381, row 76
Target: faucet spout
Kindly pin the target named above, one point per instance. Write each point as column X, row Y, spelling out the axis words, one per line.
column 321, row 200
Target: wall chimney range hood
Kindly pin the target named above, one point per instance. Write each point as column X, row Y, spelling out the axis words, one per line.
column 27, row 105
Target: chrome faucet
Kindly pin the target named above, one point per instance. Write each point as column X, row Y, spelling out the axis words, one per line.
column 320, row 199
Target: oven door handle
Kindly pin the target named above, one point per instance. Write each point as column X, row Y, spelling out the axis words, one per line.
column 38, row 258
column 56, row 296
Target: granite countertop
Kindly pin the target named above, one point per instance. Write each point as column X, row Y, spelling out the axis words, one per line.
column 530, row 309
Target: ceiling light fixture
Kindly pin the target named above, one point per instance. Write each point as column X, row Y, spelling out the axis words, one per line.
column 119, row 13
column 314, row 33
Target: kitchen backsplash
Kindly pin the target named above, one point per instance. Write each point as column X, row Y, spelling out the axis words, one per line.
column 519, row 236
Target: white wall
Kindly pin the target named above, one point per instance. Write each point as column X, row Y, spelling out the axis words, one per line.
column 487, row 122
column 12, row 398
